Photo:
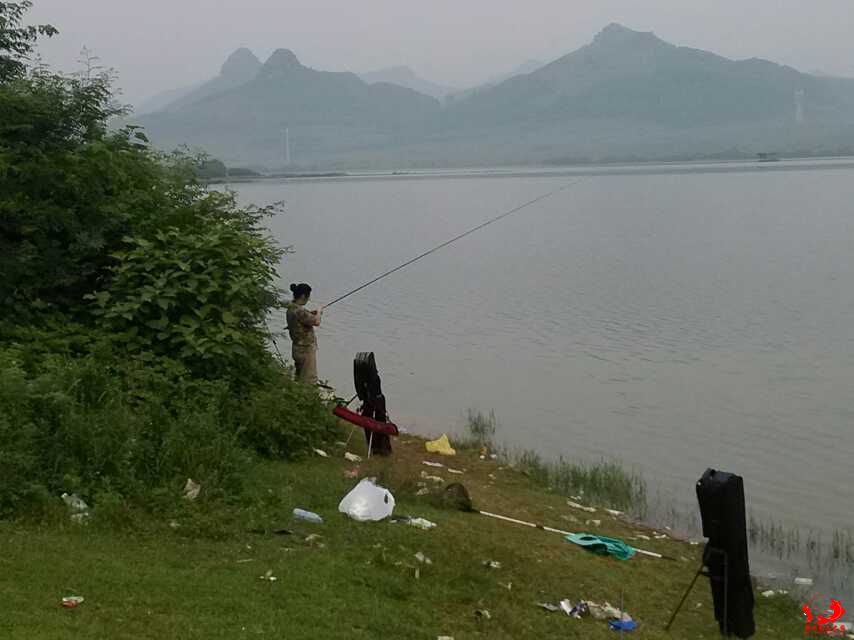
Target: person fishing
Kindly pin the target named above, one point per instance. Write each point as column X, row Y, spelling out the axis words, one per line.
column 301, row 324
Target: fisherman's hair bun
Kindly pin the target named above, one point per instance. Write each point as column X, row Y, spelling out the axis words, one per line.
column 293, row 288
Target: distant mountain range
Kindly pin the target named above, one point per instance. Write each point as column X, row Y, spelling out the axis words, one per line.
column 240, row 67
column 627, row 94
column 528, row 66
column 406, row 77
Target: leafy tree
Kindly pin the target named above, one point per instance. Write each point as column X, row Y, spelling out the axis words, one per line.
column 100, row 229
column 17, row 40
column 132, row 335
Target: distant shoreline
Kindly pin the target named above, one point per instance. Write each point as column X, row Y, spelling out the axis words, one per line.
column 539, row 171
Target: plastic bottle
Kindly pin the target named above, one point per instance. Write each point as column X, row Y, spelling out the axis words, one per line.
column 308, row 516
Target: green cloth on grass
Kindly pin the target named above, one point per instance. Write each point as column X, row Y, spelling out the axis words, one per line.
column 602, row 545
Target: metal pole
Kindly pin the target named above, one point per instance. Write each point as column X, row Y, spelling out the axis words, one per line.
column 684, row 597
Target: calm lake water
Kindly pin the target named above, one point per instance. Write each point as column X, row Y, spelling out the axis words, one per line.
column 676, row 318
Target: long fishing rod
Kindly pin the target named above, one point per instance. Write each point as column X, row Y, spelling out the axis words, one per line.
column 454, row 239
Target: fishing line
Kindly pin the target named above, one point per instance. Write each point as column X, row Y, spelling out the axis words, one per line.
column 455, row 238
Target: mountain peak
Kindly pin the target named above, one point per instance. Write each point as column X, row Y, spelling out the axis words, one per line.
column 241, row 63
column 616, row 34
column 282, row 59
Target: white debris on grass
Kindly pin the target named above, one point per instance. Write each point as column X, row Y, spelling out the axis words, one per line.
column 321, row 453
column 192, row 489
column 576, row 505
column 421, row 523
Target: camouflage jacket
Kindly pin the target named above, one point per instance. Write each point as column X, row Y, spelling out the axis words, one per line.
column 301, row 327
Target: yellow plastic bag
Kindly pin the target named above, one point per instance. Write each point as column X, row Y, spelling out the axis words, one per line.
column 441, row 445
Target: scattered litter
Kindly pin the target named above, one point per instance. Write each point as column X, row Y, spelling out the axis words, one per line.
column 440, row 445
column 569, row 518
column 426, row 476
column 341, row 443
column 432, row 464
column 578, row 498
column 566, row 607
column 660, row 536
column 423, row 491
column 576, row 505
column 613, row 512
column 548, row 606
column 492, row 476
column 642, row 536
column 421, row 523
column 69, row 602
column 269, row 577
column 192, row 489
column 508, row 586
column 321, row 453
column 173, row 524
column 483, row 613
column 352, row 457
column 622, row 625
column 595, row 523
column 307, row 516
column 422, row 558
column 367, row 502
column 602, row 545
column 606, row 611
column 580, row 610
column 492, row 564
column 493, row 456
column 444, row 637
column 75, row 502
column 807, row 582
column 244, row 560
column 313, row 538
column 768, row 594
column 694, row 543
column 77, row 505
column 455, row 471
column 352, row 473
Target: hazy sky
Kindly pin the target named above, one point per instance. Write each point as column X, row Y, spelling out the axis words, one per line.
column 160, row 44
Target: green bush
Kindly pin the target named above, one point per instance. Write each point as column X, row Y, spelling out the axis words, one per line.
column 133, row 339
column 284, row 419
column 73, row 427
column 199, row 292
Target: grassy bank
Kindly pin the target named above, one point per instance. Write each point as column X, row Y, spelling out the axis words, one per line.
column 193, row 571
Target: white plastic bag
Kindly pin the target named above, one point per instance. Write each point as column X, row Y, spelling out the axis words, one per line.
column 367, row 502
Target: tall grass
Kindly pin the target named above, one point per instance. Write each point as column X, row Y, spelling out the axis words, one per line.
column 785, row 542
column 604, row 482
